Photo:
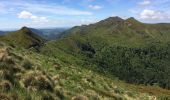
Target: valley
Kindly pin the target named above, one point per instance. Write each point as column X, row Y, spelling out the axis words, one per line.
column 113, row 59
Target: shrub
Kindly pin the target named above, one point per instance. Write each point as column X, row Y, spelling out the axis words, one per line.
column 9, row 60
column 5, row 97
column 59, row 92
column 8, row 65
column 47, row 96
column 5, row 86
column 6, row 75
column 92, row 95
column 79, row 97
column 35, row 80
column 131, row 94
column 57, row 66
column 2, row 44
column 27, row 64
column 118, row 91
column 164, row 98
column 14, row 96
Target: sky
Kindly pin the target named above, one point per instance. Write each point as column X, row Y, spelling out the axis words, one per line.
column 67, row 13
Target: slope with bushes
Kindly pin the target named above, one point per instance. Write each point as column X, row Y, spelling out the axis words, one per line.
column 131, row 50
column 28, row 75
column 88, row 63
column 23, row 38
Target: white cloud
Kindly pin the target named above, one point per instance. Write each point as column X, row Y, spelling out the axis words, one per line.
column 145, row 3
column 153, row 14
column 152, row 11
column 44, row 8
column 95, row 7
column 25, row 15
column 38, row 21
column 28, row 15
column 59, row 10
column 61, row 23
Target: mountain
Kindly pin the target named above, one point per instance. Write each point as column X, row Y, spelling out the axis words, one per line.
column 1, row 33
column 37, row 31
column 87, row 63
column 53, row 33
column 5, row 32
column 114, row 31
column 23, row 37
column 133, row 51
column 49, row 34
column 130, row 31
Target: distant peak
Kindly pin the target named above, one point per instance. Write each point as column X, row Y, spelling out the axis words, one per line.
column 25, row 29
column 111, row 20
column 132, row 20
column 116, row 18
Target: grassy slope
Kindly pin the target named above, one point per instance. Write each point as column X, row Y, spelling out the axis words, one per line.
column 24, row 38
column 68, row 80
column 128, row 33
column 70, row 58
column 71, row 76
column 124, row 32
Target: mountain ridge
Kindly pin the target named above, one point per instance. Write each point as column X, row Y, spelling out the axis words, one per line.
column 114, row 59
column 23, row 37
column 135, row 51
column 129, row 30
column 2, row 33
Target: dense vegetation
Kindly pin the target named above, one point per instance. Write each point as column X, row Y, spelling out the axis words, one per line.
column 149, row 65
column 28, row 75
column 133, row 51
column 87, row 63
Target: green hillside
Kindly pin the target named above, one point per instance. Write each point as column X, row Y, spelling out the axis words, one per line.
column 27, row 75
column 131, row 50
column 23, row 37
column 117, row 30
column 114, row 59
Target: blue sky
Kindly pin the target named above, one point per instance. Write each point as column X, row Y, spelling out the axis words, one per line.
column 68, row 13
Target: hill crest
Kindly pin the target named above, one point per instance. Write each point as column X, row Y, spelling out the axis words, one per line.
column 24, row 38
